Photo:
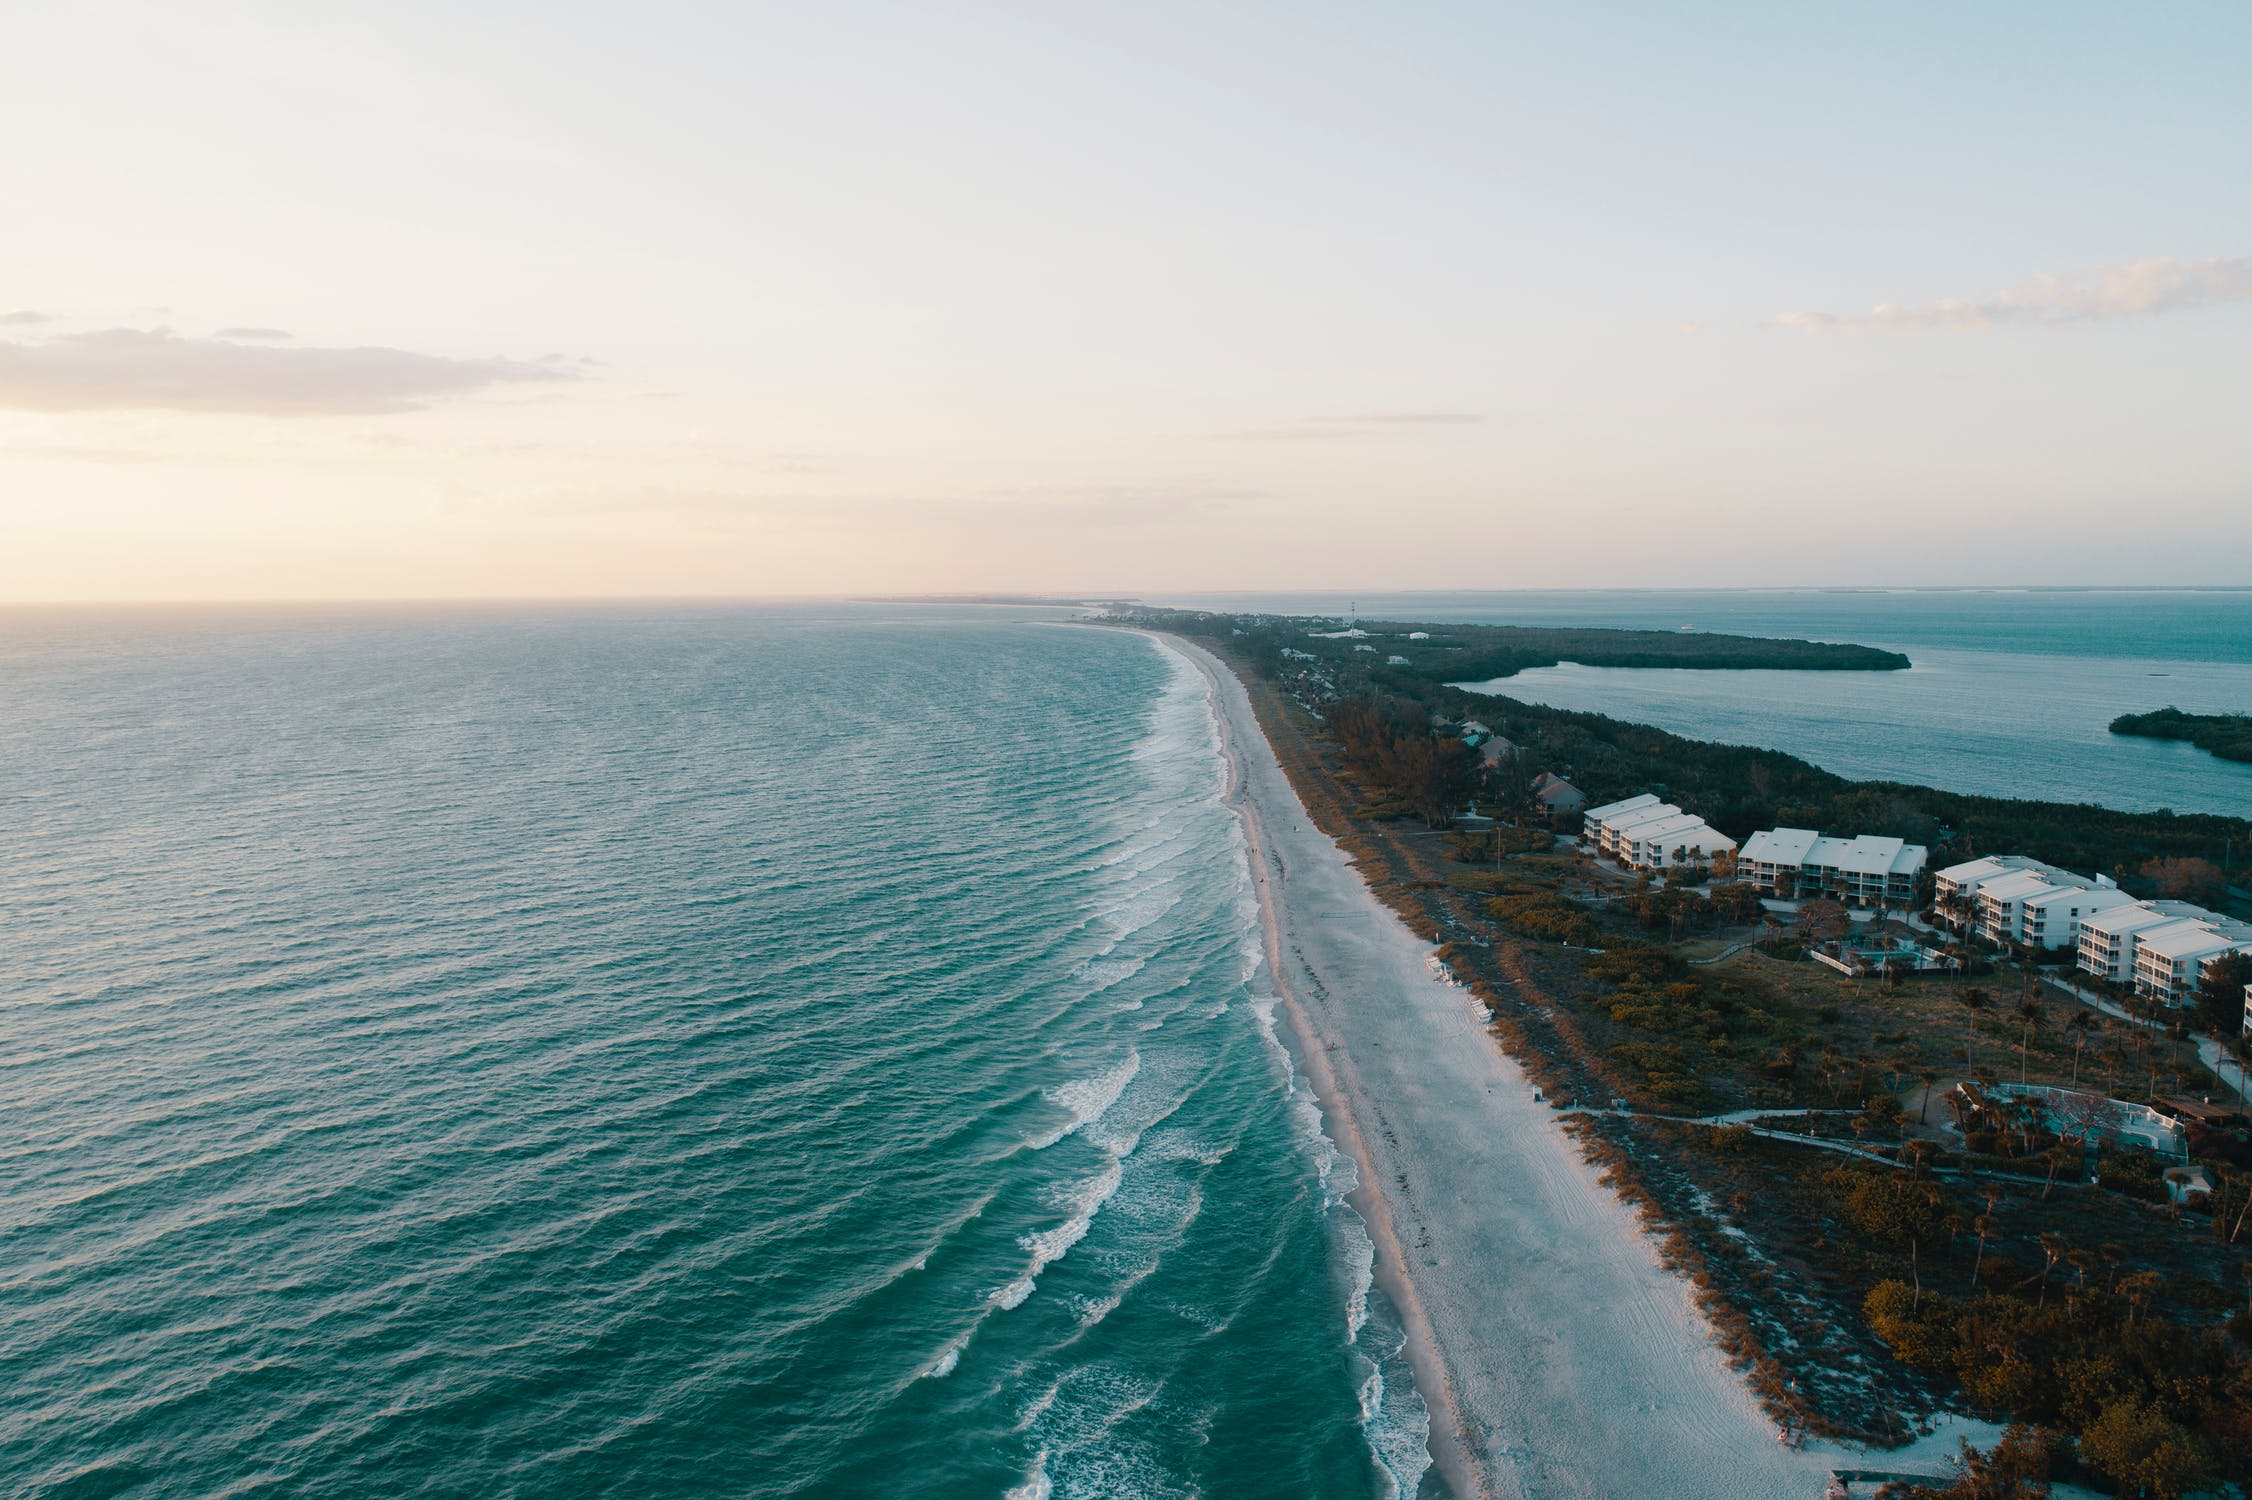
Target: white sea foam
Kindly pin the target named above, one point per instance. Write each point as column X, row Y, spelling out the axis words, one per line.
column 1087, row 1098
column 948, row 1358
column 1048, row 1246
column 1100, row 974
column 1036, row 1484
column 1395, row 1421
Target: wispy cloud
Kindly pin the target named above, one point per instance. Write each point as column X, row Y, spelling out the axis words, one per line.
column 1358, row 424
column 253, row 335
column 122, row 369
column 1083, row 508
column 25, row 319
column 2135, row 289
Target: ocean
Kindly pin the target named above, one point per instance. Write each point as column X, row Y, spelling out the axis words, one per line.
column 2011, row 694
column 642, row 1051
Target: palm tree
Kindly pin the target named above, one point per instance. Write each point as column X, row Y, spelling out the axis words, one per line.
column 2139, row 1289
column 2111, row 1057
column 1975, row 999
column 1985, row 1225
column 2052, row 1246
column 1927, row 1075
column 2031, row 1012
column 2082, row 1024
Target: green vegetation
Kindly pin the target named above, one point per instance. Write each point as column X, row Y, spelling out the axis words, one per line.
column 2228, row 736
column 2157, row 1408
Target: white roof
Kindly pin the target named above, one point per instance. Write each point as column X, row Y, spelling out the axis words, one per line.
column 2121, row 920
column 2105, row 897
column 1779, row 846
column 1986, row 867
column 1869, row 854
column 2185, row 940
column 1613, row 809
column 2015, row 884
column 1644, row 817
column 1663, row 829
column 1976, row 872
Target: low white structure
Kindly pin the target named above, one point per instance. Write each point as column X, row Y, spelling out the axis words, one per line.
column 1598, row 820
column 1868, row 870
column 1643, row 833
column 1681, row 839
column 2002, row 901
column 2051, row 919
column 1955, row 889
column 2170, row 961
column 1618, row 833
column 2161, row 947
column 2107, row 939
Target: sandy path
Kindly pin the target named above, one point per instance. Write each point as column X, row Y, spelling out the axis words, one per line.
column 1558, row 1357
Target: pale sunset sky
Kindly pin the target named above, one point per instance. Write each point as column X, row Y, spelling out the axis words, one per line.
column 558, row 299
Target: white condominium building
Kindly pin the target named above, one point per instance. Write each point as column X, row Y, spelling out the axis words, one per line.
column 1799, row 861
column 2162, row 947
column 1598, row 819
column 1986, row 896
column 1619, row 833
column 2170, row 961
column 1683, row 838
column 2107, row 939
column 2001, row 901
column 1961, row 882
column 1643, row 833
column 2051, row 918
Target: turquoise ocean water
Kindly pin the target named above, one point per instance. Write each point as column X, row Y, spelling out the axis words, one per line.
column 756, row 1051
column 2011, row 695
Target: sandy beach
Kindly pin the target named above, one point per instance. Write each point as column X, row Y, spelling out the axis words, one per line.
column 1558, row 1356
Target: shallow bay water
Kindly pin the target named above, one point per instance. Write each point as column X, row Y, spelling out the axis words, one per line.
column 2011, row 694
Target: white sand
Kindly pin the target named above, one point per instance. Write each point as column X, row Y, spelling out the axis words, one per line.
column 1559, row 1358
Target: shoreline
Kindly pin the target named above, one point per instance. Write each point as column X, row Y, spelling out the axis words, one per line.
column 1556, row 1353
column 1450, row 1450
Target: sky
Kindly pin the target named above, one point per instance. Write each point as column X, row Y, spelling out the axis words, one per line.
column 559, row 299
